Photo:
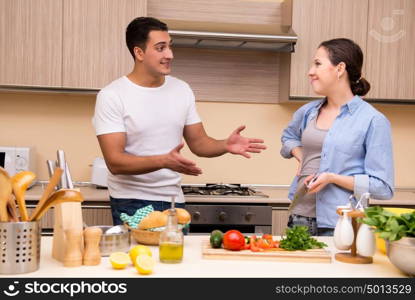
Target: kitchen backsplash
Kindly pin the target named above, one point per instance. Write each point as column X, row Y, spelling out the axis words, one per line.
column 57, row 121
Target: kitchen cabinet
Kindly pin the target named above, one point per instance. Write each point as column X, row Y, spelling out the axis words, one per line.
column 65, row 43
column 279, row 220
column 92, row 214
column 390, row 58
column 94, row 48
column 319, row 20
column 31, row 42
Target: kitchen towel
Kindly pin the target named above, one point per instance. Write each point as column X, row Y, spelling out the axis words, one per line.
column 135, row 219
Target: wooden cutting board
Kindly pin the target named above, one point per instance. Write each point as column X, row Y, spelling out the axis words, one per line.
column 312, row 255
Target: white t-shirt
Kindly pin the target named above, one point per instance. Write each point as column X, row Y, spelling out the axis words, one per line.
column 153, row 120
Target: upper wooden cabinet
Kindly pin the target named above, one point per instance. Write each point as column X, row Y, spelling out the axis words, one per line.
column 65, row 43
column 94, row 48
column 315, row 21
column 31, row 42
column 390, row 58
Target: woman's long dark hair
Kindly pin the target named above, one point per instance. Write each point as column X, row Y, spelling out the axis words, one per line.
column 347, row 51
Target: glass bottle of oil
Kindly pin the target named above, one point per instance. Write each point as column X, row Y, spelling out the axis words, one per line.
column 171, row 240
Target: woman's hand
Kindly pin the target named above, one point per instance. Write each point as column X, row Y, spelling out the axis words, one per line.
column 308, row 179
column 300, row 164
column 319, row 183
column 297, row 152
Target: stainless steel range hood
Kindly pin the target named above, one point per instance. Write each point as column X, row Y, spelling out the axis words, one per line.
column 276, row 38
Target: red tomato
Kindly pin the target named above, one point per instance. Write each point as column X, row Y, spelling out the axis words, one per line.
column 233, row 240
column 263, row 243
column 253, row 245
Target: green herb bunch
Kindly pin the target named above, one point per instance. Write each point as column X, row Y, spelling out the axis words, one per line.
column 389, row 225
column 298, row 238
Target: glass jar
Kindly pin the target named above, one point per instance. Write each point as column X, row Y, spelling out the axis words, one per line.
column 171, row 241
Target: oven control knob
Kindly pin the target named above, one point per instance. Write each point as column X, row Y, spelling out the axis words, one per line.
column 248, row 216
column 222, row 216
column 196, row 215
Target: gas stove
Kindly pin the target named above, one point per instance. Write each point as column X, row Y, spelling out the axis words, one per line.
column 221, row 190
column 243, row 213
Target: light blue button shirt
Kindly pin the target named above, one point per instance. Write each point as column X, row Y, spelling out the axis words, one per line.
column 358, row 144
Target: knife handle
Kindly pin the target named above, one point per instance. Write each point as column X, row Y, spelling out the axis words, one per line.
column 62, row 165
column 68, row 176
column 51, row 166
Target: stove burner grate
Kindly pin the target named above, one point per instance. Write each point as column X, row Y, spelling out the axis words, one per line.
column 219, row 189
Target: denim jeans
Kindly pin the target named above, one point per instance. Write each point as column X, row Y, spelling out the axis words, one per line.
column 325, row 231
column 311, row 223
column 130, row 206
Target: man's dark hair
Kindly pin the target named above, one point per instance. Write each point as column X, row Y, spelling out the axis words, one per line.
column 138, row 30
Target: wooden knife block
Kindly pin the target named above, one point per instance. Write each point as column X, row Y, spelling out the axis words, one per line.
column 67, row 216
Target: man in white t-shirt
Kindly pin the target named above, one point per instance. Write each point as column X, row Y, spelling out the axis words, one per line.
column 140, row 121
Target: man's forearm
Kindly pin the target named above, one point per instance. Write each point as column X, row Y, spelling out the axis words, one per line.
column 209, row 147
column 128, row 164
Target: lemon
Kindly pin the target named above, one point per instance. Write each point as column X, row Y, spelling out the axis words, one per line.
column 138, row 250
column 119, row 260
column 144, row 264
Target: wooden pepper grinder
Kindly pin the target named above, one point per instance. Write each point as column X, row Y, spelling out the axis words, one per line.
column 92, row 254
column 73, row 253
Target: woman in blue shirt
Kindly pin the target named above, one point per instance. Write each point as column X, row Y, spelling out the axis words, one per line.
column 341, row 140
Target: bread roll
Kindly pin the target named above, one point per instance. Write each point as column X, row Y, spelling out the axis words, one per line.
column 183, row 216
column 153, row 220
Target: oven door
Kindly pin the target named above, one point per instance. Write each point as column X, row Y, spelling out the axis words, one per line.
column 245, row 218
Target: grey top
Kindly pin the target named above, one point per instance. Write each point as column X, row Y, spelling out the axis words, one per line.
column 312, row 141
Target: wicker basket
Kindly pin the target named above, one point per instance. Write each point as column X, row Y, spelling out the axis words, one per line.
column 144, row 236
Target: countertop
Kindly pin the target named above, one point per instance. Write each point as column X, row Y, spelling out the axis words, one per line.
column 193, row 265
column 277, row 196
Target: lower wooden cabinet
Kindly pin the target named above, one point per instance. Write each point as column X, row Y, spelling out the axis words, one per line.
column 92, row 215
column 97, row 215
column 279, row 220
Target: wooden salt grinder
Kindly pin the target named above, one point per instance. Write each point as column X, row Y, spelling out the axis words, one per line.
column 73, row 253
column 92, row 254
